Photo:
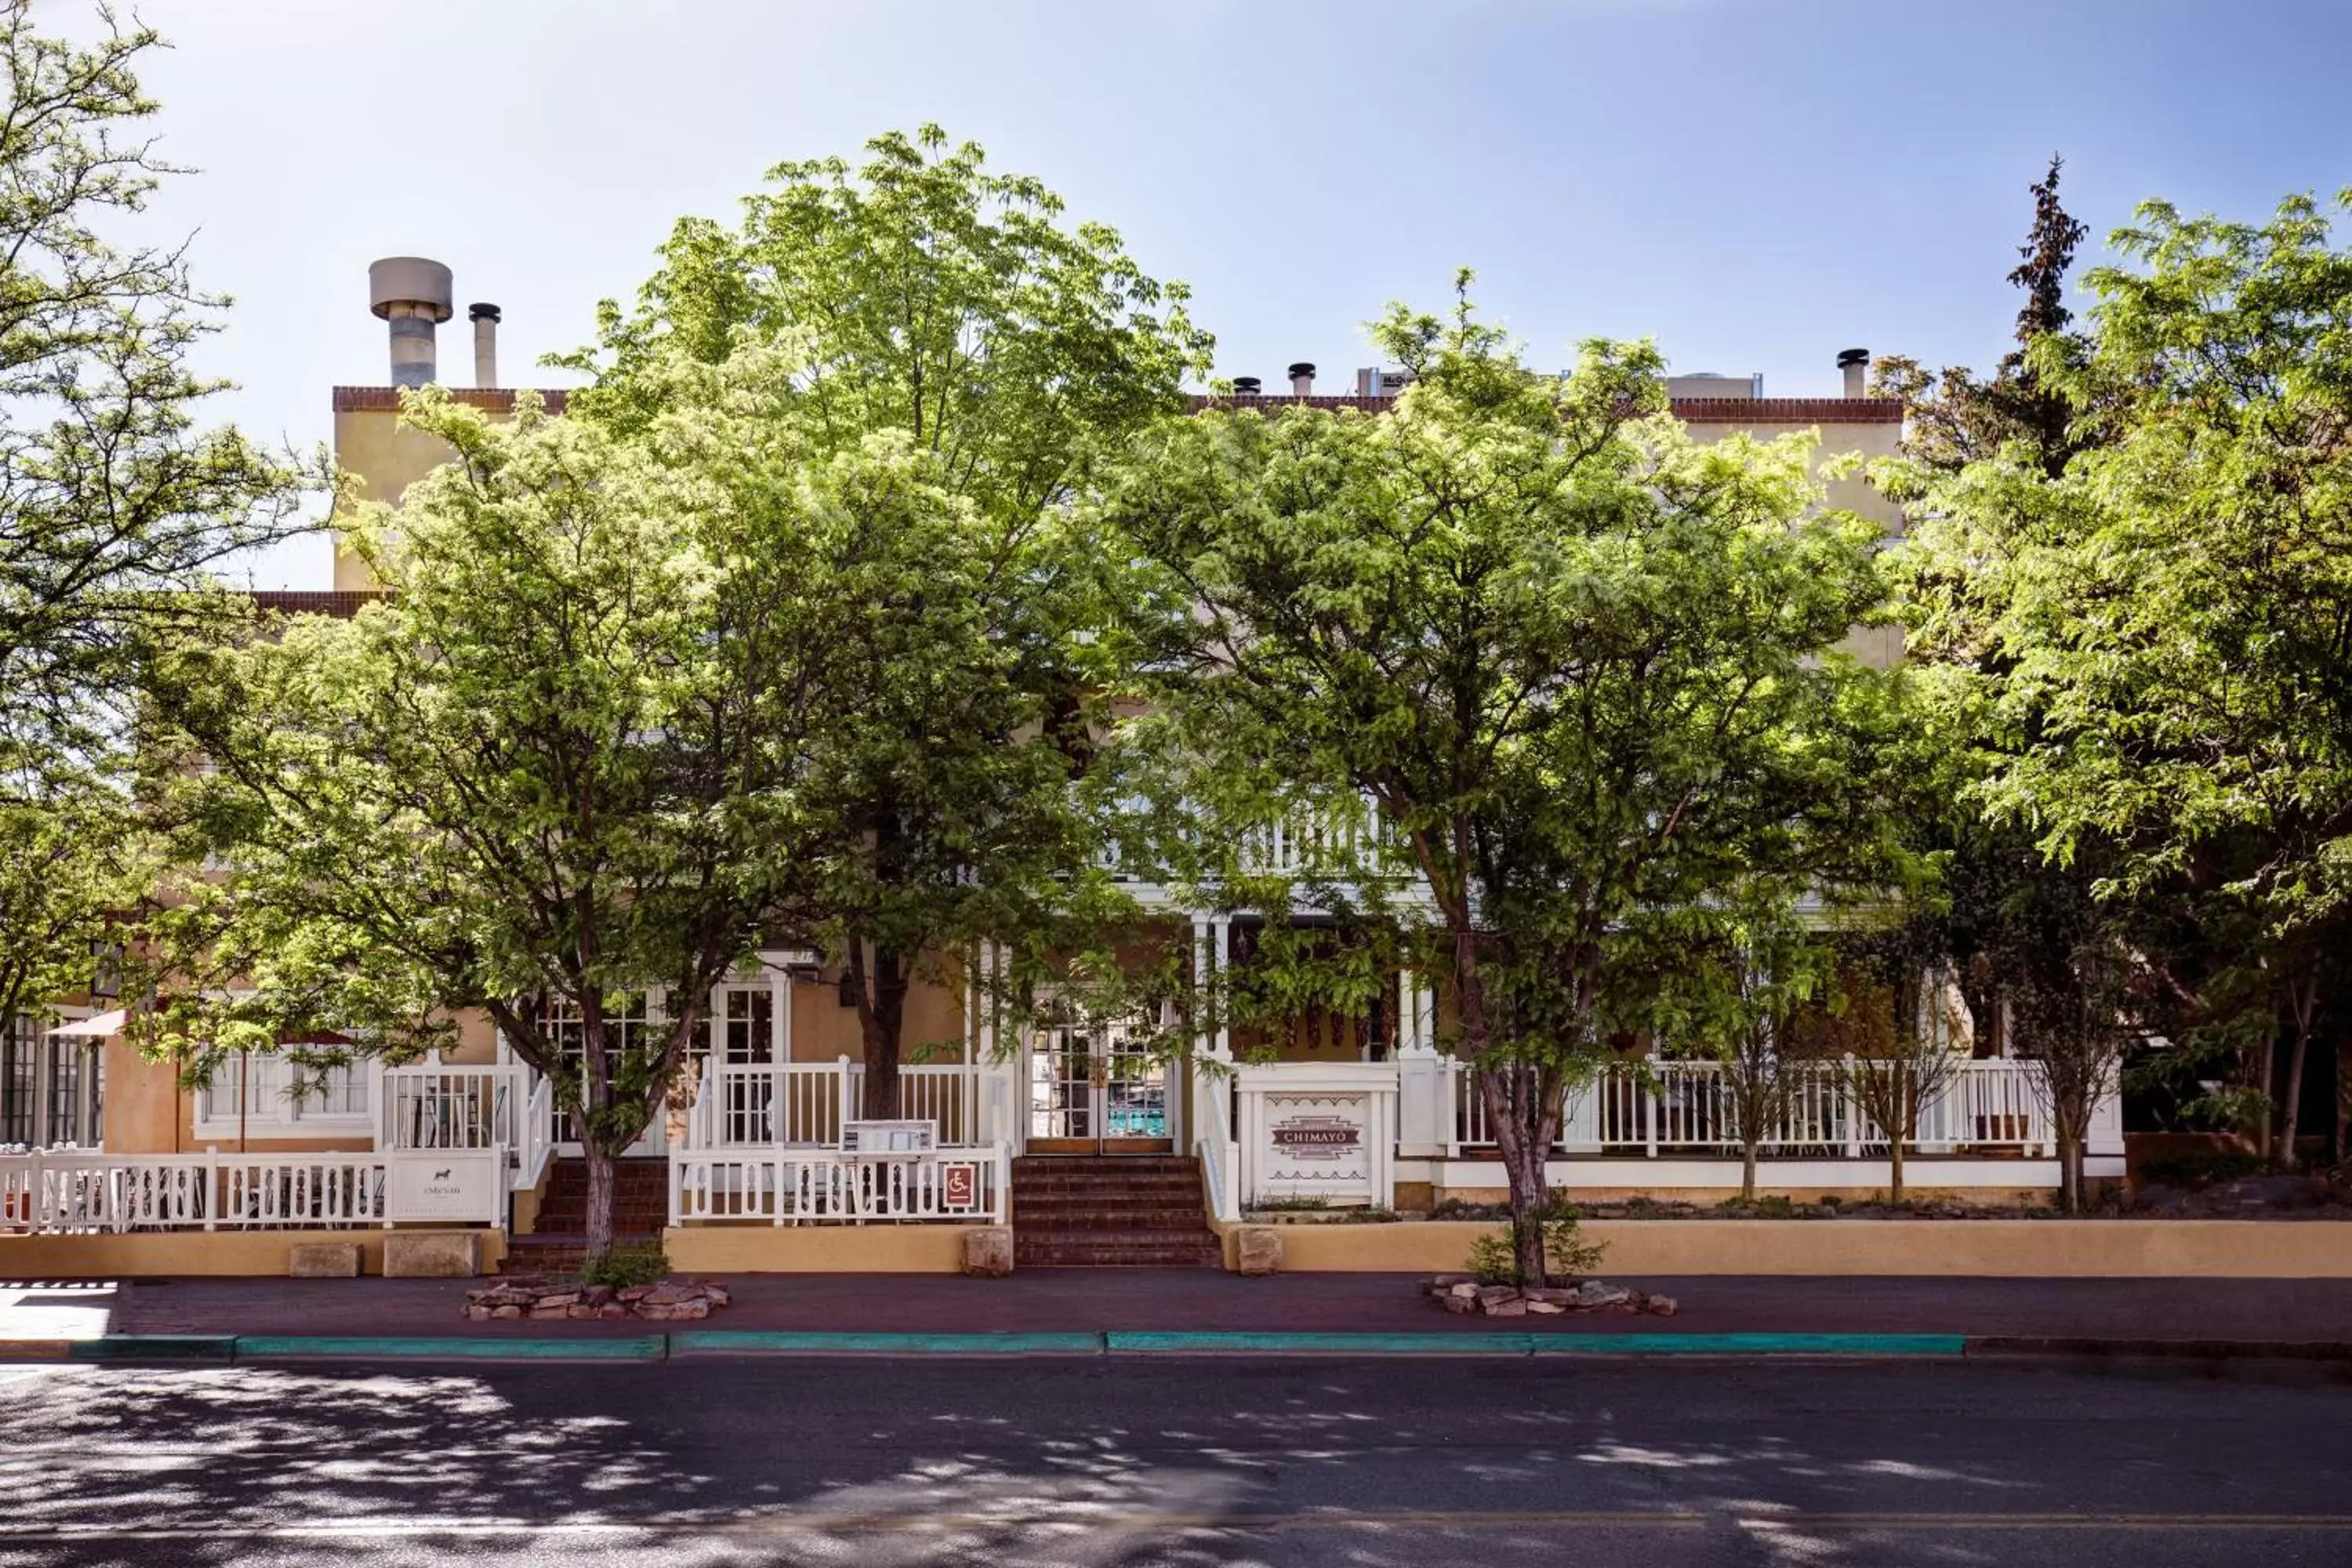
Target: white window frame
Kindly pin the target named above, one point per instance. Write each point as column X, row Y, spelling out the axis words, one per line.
column 285, row 1117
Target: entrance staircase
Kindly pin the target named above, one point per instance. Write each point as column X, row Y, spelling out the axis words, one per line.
column 1094, row 1211
column 559, row 1244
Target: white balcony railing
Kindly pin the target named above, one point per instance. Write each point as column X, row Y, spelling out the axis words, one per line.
column 826, row 1185
column 1324, row 839
column 51, row 1192
column 430, row 1105
column 1685, row 1107
column 803, row 1105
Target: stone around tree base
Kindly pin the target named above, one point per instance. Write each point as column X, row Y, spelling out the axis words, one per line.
column 988, row 1251
column 1460, row 1293
column 323, row 1261
column 1257, row 1249
column 672, row 1301
column 432, row 1254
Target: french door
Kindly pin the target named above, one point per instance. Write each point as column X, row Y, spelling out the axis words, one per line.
column 1092, row 1091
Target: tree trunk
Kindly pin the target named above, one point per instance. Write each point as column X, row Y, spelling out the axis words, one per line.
column 1747, row 1172
column 881, row 1023
column 2290, row 1113
column 603, row 1197
column 2070, row 1170
column 2343, row 1097
column 2267, row 1063
column 1507, row 1091
column 1895, row 1136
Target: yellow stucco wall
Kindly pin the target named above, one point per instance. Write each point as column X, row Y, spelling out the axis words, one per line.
column 815, row 1250
column 2112, row 1248
column 386, row 457
column 1880, row 647
column 182, row 1254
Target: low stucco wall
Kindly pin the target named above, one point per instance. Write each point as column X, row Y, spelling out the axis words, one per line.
column 2118, row 1248
column 815, row 1250
column 168, row 1254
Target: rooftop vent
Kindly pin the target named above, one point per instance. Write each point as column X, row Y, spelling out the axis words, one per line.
column 414, row 296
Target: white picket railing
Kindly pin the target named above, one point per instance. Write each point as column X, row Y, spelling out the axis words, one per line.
column 1215, row 1148
column 1678, row 1107
column 804, row 1105
column 1321, row 837
column 51, row 1192
column 538, row 1134
column 432, row 1106
column 822, row 1185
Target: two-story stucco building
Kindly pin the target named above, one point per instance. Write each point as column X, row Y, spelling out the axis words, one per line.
column 1094, row 1152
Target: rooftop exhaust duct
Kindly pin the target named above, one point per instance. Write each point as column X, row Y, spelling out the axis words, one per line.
column 412, row 295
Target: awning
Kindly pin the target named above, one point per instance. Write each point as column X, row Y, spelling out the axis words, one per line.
column 96, row 1028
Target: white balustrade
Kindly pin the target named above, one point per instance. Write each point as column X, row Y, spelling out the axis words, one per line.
column 804, row 1104
column 1219, row 1153
column 432, row 1106
column 1678, row 1107
column 51, row 1192
column 822, row 1185
column 537, row 1143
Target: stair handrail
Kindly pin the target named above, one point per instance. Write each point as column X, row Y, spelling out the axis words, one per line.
column 1219, row 1154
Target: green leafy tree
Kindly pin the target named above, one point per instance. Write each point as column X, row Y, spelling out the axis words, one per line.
column 922, row 303
column 2152, row 643
column 1958, row 417
column 543, row 778
column 1585, row 670
column 76, row 866
column 116, row 510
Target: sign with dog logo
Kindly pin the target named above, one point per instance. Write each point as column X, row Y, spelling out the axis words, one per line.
column 448, row 1184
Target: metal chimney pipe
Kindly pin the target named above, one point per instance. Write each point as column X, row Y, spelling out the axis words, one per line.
column 1856, row 364
column 1245, row 386
column 412, row 294
column 1302, row 380
column 486, row 319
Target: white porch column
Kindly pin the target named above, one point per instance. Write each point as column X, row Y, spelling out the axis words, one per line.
column 1224, row 924
column 779, row 1050
column 1420, row 1130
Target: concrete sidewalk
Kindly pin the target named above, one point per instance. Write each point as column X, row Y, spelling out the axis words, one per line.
column 2184, row 1311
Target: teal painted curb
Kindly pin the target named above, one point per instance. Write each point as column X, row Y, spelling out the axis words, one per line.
column 1184, row 1341
column 153, row 1347
column 1475, row 1343
column 787, row 1342
column 648, row 1347
column 1749, row 1344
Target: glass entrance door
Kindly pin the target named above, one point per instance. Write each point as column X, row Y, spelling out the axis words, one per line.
column 1090, row 1091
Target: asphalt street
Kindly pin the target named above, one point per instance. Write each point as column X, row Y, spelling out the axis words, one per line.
column 1110, row 1463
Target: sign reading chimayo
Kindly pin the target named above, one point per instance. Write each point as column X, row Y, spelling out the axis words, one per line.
column 1317, row 1145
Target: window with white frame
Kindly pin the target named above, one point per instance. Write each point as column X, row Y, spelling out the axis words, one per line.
column 628, row 1017
column 20, row 1049
column 51, row 1088
column 260, row 1094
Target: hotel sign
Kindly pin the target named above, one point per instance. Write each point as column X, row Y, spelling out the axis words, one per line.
column 449, row 1184
column 1317, row 1145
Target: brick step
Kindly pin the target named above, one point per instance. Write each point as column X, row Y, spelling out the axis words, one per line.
column 1098, row 1164
column 1121, row 1200
column 1159, row 1193
column 1063, row 1249
column 1187, row 1220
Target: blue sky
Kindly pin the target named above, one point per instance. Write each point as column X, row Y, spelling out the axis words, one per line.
column 1756, row 184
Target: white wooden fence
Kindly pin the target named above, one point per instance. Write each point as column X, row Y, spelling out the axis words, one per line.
column 1678, row 1107
column 820, row 1185
column 430, row 1105
column 50, row 1191
column 804, row 1105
